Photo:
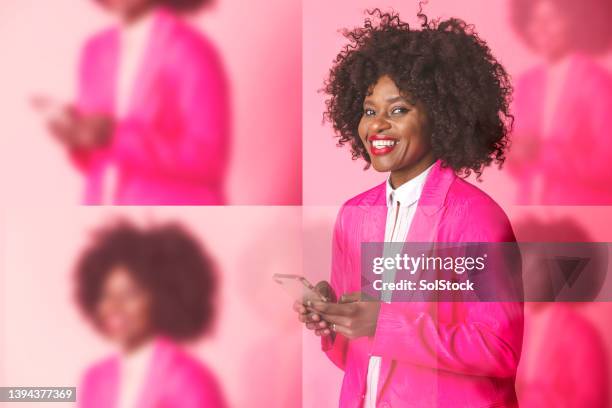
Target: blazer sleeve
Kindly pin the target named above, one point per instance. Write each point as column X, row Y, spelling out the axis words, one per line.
column 335, row 345
column 90, row 58
column 485, row 341
column 194, row 143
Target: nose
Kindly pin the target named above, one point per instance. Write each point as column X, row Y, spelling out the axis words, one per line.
column 379, row 124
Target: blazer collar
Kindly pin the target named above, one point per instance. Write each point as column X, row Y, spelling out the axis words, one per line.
column 432, row 197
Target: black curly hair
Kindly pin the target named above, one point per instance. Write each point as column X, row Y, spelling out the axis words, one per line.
column 167, row 261
column 444, row 65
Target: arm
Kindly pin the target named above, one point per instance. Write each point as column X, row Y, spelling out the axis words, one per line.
column 87, row 103
column 190, row 136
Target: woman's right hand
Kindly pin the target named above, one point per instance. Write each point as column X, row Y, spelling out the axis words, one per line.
column 81, row 132
column 311, row 320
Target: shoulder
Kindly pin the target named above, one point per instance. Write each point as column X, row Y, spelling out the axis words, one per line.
column 367, row 198
column 98, row 373
column 99, row 41
column 476, row 215
column 362, row 202
column 185, row 41
column 186, row 375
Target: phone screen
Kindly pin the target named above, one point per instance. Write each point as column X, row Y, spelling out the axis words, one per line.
column 297, row 287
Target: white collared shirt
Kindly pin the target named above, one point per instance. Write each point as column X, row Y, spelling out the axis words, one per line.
column 401, row 207
column 133, row 372
column 133, row 41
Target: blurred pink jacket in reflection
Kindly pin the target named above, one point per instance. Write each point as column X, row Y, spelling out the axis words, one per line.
column 174, row 380
column 172, row 145
column 433, row 354
column 571, row 364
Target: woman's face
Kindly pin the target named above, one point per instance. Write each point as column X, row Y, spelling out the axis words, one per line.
column 395, row 132
column 549, row 30
column 128, row 9
column 124, row 310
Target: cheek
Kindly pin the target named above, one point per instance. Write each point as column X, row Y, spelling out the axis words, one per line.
column 138, row 308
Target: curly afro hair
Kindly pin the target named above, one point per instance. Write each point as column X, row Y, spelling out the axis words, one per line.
column 444, row 65
column 167, row 261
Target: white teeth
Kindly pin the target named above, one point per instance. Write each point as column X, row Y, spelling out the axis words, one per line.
column 379, row 144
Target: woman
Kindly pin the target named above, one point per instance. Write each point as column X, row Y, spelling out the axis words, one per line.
column 423, row 105
column 150, row 124
column 147, row 290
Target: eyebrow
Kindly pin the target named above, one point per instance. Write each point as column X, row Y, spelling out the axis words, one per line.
column 392, row 99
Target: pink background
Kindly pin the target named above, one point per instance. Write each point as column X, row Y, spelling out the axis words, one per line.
column 48, row 343
column 259, row 43
column 330, row 176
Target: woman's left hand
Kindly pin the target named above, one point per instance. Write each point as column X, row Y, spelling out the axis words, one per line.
column 351, row 317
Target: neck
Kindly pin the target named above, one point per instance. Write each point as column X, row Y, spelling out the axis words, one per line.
column 404, row 175
column 134, row 16
column 134, row 345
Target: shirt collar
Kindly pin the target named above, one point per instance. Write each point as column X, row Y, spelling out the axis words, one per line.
column 408, row 193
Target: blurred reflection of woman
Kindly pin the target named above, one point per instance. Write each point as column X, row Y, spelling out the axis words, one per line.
column 563, row 107
column 580, row 378
column 150, row 124
column 423, row 105
column 146, row 290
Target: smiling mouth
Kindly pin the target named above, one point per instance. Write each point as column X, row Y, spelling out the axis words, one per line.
column 381, row 145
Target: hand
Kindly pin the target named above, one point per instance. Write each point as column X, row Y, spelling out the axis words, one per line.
column 353, row 317
column 311, row 320
column 81, row 132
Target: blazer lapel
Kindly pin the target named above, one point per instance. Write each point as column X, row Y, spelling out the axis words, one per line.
column 152, row 57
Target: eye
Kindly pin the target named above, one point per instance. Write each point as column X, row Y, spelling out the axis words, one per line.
column 399, row 110
column 369, row 112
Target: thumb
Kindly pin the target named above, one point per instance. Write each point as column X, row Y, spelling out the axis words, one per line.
column 350, row 297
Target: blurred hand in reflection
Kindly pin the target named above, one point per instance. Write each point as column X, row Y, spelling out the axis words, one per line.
column 81, row 132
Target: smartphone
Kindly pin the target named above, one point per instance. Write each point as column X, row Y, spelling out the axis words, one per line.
column 298, row 287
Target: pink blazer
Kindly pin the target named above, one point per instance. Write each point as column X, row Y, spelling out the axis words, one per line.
column 175, row 380
column 574, row 160
column 172, row 146
column 433, row 354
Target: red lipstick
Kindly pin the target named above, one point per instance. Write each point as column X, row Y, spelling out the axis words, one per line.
column 381, row 144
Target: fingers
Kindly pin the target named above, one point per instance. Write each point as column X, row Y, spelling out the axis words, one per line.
column 326, row 291
column 338, row 320
column 345, row 331
column 299, row 307
column 350, row 297
column 323, row 332
column 317, row 325
column 338, row 309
